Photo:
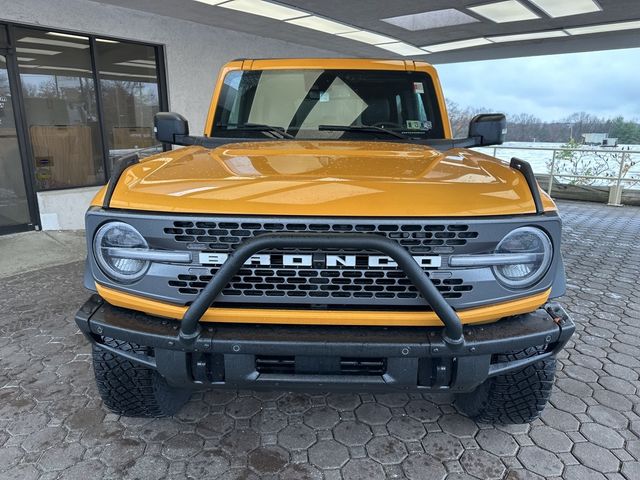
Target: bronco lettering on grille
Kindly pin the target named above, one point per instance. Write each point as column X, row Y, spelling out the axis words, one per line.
column 319, row 260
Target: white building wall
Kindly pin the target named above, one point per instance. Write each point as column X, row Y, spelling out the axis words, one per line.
column 64, row 209
column 194, row 55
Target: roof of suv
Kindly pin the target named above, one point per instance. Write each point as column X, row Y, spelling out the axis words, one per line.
column 331, row 63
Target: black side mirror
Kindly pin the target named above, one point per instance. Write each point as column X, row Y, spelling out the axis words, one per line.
column 169, row 125
column 488, row 129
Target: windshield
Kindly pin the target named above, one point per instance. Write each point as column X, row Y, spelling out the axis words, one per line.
column 328, row 104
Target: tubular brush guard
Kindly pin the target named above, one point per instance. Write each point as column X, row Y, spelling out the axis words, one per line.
column 190, row 326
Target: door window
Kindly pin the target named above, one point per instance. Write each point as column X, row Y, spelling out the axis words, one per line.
column 60, row 106
column 130, row 96
column 14, row 208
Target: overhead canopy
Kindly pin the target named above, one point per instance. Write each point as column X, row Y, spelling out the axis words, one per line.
column 438, row 31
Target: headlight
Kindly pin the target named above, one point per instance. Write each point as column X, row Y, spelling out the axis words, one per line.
column 524, row 240
column 115, row 235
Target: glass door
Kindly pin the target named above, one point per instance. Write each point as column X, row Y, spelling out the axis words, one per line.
column 14, row 204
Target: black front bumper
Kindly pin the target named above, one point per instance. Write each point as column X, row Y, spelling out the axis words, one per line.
column 325, row 357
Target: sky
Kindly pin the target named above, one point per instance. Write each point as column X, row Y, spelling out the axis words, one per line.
column 550, row 87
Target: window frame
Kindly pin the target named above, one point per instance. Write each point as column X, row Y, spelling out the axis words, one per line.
column 27, row 153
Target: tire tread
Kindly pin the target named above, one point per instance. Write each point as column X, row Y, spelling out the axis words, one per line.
column 131, row 389
column 514, row 397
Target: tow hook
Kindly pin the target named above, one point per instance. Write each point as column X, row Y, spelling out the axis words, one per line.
column 557, row 313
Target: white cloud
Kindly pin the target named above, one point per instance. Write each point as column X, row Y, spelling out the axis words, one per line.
column 550, row 87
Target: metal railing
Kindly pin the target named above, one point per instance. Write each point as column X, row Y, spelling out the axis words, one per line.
column 622, row 158
column 142, row 152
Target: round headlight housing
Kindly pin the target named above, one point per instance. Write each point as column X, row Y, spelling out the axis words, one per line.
column 115, row 235
column 534, row 244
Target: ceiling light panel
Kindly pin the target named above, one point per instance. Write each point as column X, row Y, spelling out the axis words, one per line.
column 36, row 51
column 528, row 36
column 55, row 43
column 264, row 9
column 564, row 8
column 402, row 48
column 104, row 40
column 433, row 19
column 322, row 24
column 368, row 37
column 68, row 35
column 606, row 27
column 121, row 74
column 145, row 62
column 503, row 12
column 442, row 47
column 211, row 2
column 139, row 65
column 66, row 69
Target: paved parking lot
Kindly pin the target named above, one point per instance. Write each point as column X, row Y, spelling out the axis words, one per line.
column 53, row 425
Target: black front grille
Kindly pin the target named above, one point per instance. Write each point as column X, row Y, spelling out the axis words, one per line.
column 305, row 285
column 317, row 284
column 418, row 238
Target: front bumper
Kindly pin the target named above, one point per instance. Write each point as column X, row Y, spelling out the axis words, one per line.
column 325, row 357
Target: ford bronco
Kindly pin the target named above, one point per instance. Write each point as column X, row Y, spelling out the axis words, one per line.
column 326, row 232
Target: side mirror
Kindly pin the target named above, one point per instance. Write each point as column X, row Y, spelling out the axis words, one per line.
column 168, row 125
column 488, row 129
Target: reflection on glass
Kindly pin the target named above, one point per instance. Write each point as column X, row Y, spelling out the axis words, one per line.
column 60, row 104
column 129, row 85
column 304, row 102
column 14, row 209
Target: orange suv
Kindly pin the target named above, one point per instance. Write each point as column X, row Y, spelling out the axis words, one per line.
column 326, row 232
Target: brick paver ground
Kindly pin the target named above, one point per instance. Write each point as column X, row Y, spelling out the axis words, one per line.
column 53, row 424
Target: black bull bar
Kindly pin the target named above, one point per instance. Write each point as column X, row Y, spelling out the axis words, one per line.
column 190, row 328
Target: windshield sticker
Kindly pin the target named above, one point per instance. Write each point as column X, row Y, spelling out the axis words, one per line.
column 418, row 87
column 414, row 124
column 324, row 97
column 427, row 125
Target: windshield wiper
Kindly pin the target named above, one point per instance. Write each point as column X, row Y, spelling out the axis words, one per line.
column 259, row 127
column 360, row 128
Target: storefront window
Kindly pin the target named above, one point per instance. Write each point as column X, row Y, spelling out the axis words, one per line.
column 130, row 95
column 67, row 122
column 60, row 105
column 14, row 209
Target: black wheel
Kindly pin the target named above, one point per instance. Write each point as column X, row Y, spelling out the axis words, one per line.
column 133, row 390
column 515, row 397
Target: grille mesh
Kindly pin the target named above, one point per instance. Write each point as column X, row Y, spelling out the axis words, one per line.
column 312, row 285
column 319, row 283
column 417, row 238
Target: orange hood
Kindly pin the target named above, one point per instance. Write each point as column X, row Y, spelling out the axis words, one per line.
column 324, row 178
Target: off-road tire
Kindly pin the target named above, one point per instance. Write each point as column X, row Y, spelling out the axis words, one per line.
column 131, row 389
column 515, row 397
